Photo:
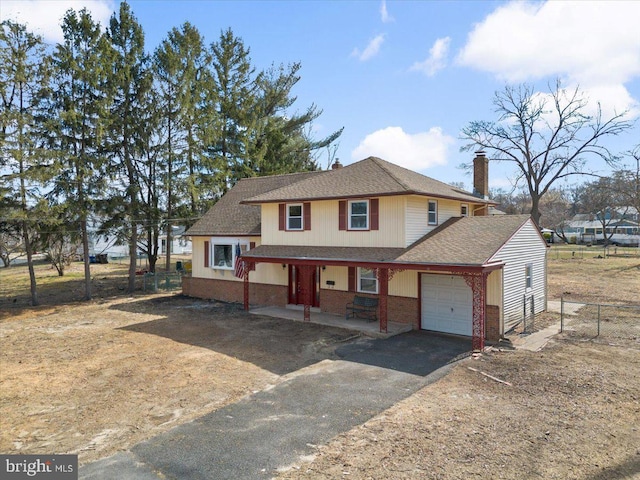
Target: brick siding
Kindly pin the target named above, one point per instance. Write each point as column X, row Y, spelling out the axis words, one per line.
column 492, row 324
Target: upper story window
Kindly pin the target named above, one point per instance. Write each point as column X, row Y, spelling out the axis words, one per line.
column 294, row 217
column 464, row 210
column 359, row 215
column 433, row 212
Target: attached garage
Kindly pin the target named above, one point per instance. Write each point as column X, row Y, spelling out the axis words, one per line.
column 447, row 304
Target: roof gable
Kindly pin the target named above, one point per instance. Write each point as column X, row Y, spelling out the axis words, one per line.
column 229, row 216
column 366, row 178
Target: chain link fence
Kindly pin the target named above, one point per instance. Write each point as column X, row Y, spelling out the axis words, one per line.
column 152, row 282
column 582, row 251
column 592, row 320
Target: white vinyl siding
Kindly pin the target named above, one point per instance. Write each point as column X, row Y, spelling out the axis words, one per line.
column 326, row 231
column 525, row 247
column 416, row 214
column 417, row 224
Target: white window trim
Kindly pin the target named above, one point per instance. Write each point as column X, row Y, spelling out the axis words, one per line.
column 301, row 217
column 349, row 215
column 429, row 203
column 528, row 277
column 213, row 241
column 466, row 207
column 359, row 281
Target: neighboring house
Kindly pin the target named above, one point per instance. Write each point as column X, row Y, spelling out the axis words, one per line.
column 424, row 249
column 180, row 244
column 588, row 229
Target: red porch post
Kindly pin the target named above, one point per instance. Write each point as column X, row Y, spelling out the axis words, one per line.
column 383, row 281
column 246, row 287
column 478, row 284
column 306, row 274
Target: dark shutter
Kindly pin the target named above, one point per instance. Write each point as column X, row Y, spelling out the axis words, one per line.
column 282, row 217
column 342, row 215
column 375, row 207
column 206, row 253
column 252, row 245
column 352, row 279
column 306, row 209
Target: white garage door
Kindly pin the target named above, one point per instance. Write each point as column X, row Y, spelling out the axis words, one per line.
column 447, row 304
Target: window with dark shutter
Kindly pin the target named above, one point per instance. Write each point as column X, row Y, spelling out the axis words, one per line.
column 307, row 215
column 375, row 208
column 282, row 216
column 342, row 215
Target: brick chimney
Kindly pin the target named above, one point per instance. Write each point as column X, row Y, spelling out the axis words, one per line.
column 481, row 175
column 336, row 165
column 481, row 179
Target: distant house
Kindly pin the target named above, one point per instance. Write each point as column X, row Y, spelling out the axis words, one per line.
column 427, row 251
column 180, row 244
column 587, row 228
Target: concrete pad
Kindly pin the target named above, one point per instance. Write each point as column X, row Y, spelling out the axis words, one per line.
column 570, row 308
column 370, row 329
column 536, row 341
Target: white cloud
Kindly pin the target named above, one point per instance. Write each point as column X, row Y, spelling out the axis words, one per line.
column 413, row 151
column 43, row 17
column 371, row 50
column 591, row 44
column 384, row 14
column 437, row 58
column 592, row 41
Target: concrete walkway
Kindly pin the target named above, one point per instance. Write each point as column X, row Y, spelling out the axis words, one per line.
column 371, row 329
column 537, row 340
column 272, row 429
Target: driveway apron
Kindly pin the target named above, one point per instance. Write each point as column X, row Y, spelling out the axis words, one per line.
column 274, row 428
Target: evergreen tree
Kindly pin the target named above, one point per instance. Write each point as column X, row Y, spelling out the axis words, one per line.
column 235, row 84
column 181, row 68
column 129, row 82
column 79, row 104
column 23, row 161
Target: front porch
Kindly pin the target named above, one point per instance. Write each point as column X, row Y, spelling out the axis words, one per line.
column 370, row 329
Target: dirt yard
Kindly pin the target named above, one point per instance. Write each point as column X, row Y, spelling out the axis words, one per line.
column 94, row 378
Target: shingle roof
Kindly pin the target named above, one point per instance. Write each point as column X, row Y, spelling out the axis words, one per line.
column 369, row 177
column 464, row 240
column 229, row 217
column 459, row 241
column 352, row 254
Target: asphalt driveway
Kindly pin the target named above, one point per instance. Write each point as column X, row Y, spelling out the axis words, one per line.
column 274, row 428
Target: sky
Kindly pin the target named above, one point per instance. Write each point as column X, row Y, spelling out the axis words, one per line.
column 404, row 77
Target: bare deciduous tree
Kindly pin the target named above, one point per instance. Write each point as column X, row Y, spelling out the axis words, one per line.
column 546, row 136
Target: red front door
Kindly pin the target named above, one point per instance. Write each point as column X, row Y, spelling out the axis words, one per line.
column 296, row 291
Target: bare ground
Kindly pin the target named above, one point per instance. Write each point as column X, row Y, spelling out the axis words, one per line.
column 93, row 378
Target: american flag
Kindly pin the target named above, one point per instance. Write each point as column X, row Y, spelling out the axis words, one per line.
column 239, row 265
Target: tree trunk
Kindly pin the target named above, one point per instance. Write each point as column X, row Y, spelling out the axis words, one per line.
column 32, row 273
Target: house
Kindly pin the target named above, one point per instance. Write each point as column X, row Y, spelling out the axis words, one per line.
column 619, row 230
column 180, row 244
column 426, row 250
